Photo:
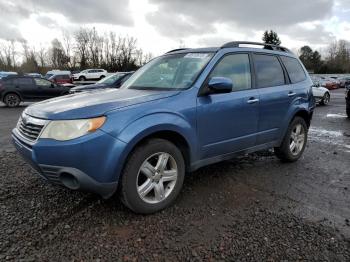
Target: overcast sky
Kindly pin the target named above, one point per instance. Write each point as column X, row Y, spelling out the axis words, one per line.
column 160, row 25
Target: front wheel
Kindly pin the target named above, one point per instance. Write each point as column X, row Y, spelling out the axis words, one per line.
column 325, row 100
column 294, row 142
column 82, row 78
column 153, row 176
column 12, row 100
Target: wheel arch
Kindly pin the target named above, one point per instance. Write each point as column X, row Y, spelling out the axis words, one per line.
column 170, row 135
column 11, row 92
column 299, row 112
column 305, row 115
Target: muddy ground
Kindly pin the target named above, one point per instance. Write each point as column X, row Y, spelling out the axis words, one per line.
column 251, row 208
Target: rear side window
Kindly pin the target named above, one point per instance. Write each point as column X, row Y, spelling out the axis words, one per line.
column 23, row 81
column 237, row 68
column 295, row 70
column 268, row 70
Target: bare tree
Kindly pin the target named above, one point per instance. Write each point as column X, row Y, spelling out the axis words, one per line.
column 81, row 44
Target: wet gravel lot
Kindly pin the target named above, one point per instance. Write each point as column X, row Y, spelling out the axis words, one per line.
column 252, row 208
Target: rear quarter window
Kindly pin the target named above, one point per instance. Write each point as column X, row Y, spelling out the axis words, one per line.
column 294, row 69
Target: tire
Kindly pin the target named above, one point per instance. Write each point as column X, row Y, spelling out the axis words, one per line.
column 325, row 100
column 142, row 191
column 101, row 77
column 348, row 111
column 82, row 78
column 12, row 100
column 285, row 152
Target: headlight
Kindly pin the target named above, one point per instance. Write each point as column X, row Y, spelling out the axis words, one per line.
column 69, row 129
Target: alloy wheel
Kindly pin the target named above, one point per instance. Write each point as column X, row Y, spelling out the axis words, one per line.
column 326, row 99
column 12, row 100
column 297, row 139
column 157, row 178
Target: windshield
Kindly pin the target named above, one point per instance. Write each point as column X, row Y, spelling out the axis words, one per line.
column 176, row 71
column 47, row 76
column 110, row 79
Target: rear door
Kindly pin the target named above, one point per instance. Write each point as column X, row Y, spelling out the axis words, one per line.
column 275, row 96
column 91, row 74
column 26, row 87
column 228, row 122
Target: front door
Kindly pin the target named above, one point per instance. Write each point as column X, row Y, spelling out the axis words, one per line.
column 47, row 89
column 228, row 122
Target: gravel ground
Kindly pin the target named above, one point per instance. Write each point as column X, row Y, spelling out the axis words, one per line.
column 251, row 208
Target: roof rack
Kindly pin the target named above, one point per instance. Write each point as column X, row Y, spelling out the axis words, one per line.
column 175, row 50
column 266, row 46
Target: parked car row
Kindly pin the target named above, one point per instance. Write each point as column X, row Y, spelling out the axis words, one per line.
column 15, row 89
column 112, row 81
column 331, row 82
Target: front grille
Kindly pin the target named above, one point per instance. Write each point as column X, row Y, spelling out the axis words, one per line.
column 29, row 130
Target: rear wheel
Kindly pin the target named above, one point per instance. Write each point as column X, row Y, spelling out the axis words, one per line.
column 153, row 176
column 294, row 142
column 325, row 100
column 101, row 77
column 12, row 100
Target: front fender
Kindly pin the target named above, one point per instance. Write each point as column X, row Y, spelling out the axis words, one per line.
column 158, row 122
column 153, row 123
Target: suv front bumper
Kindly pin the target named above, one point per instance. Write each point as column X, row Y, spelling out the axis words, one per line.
column 89, row 163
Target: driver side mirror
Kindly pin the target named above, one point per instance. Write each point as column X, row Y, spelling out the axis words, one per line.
column 219, row 85
column 52, row 85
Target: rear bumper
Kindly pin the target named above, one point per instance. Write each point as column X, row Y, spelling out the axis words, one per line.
column 89, row 164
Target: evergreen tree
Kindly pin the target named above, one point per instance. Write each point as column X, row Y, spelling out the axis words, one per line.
column 311, row 59
column 271, row 37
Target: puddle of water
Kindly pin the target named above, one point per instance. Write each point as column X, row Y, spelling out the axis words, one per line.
column 336, row 116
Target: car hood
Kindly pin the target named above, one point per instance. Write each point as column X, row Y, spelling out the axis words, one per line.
column 89, row 87
column 93, row 104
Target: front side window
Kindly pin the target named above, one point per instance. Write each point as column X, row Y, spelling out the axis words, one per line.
column 237, row 68
column 295, row 70
column 169, row 72
column 268, row 70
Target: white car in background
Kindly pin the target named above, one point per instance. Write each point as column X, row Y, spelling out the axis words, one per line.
column 321, row 94
column 90, row 74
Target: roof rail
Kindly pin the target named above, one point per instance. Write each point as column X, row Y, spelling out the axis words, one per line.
column 266, row 46
column 175, row 50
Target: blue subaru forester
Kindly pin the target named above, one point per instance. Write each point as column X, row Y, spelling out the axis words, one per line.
column 181, row 111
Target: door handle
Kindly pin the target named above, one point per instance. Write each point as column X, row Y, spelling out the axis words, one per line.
column 290, row 94
column 252, row 100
